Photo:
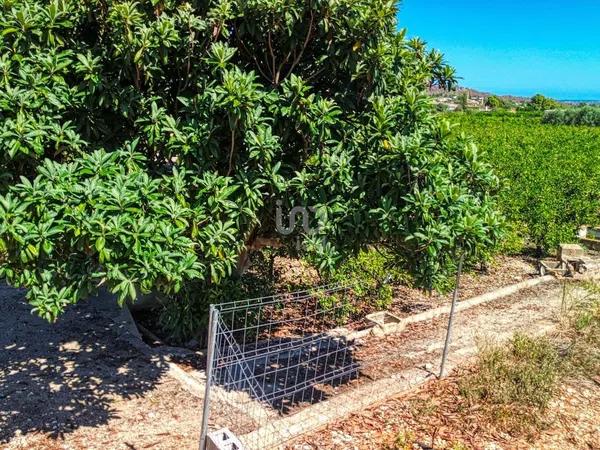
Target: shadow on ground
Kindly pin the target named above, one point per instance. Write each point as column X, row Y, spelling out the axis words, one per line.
column 287, row 373
column 55, row 378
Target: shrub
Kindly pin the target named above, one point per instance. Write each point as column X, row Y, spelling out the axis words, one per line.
column 371, row 274
column 541, row 103
column 147, row 143
column 585, row 116
column 463, row 101
column 515, row 382
column 493, row 101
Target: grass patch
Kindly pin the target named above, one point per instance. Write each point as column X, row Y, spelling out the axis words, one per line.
column 581, row 329
column 507, row 394
column 515, row 382
column 407, row 440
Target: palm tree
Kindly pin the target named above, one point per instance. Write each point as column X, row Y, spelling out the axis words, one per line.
column 448, row 78
column 442, row 74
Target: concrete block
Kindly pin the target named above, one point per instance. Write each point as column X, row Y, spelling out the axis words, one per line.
column 593, row 233
column 592, row 244
column 570, row 251
column 223, row 439
column 385, row 323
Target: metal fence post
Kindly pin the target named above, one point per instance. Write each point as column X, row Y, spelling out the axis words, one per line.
column 213, row 317
column 451, row 318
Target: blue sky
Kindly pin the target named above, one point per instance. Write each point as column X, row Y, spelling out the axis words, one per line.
column 514, row 47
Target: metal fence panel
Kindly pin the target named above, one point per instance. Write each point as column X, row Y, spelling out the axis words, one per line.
column 268, row 357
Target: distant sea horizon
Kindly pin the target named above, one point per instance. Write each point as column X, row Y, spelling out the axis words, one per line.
column 561, row 96
column 595, row 102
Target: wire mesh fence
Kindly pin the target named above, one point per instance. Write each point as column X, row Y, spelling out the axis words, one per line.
column 282, row 366
column 268, row 357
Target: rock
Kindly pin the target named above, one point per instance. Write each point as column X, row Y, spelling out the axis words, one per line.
column 71, row 346
column 377, row 331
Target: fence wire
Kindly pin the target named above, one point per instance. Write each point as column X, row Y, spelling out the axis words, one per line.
column 270, row 356
column 284, row 365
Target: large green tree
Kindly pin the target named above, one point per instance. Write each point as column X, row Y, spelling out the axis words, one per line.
column 144, row 144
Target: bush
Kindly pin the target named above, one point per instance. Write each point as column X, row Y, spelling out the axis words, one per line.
column 463, row 101
column 541, row 103
column 515, row 383
column 371, row 274
column 495, row 102
column 147, row 143
column 585, row 116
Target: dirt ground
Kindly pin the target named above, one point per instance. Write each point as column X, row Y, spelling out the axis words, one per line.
column 290, row 275
column 420, row 345
column 87, row 383
column 434, row 419
column 503, row 271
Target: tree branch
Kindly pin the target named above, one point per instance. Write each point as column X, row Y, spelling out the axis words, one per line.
column 273, row 64
column 304, row 46
column 232, row 149
column 251, row 55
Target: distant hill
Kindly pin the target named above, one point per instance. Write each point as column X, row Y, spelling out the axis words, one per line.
column 475, row 94
column 510, row 98
column 481, row 96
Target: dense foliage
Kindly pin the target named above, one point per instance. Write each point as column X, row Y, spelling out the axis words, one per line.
column 550, row 174
column 146, row 143
column 585, row 116
column 495, row 102
column 540, row 102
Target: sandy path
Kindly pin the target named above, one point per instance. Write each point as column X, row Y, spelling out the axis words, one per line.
column 86, row 380
column 532, row 310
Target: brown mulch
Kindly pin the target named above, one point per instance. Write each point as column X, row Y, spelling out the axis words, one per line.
column 438, row 417
column 502, row 272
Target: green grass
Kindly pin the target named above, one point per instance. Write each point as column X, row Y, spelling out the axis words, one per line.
column 550, row 174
